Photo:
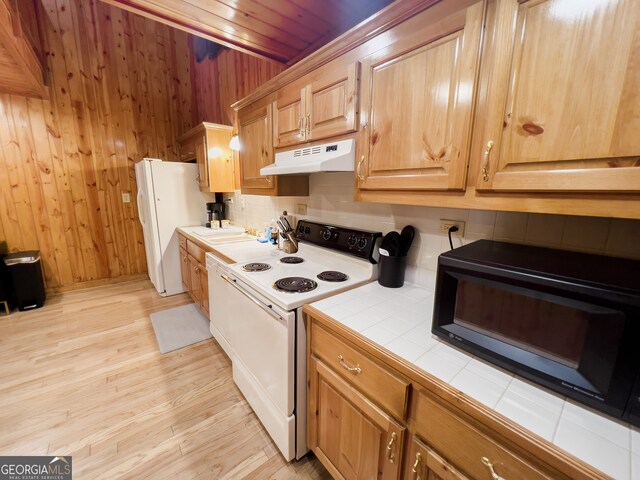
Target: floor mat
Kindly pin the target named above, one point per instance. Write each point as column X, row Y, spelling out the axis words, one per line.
column 180, row 326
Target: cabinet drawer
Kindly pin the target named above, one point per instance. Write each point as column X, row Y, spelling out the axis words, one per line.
column 446, row 431
column 182, row 241
column 370, row 377
column 196, row 252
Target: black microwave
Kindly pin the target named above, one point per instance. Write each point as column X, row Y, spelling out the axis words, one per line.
column 568, row 321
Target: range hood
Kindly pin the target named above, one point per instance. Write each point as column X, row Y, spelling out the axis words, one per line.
column 329, row 157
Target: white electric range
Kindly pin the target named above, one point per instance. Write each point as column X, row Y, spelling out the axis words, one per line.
column 256, row 315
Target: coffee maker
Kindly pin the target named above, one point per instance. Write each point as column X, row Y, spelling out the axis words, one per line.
column 215, row 213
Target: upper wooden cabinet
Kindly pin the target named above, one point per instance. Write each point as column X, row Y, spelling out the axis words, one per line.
column 208, row 144
column 417, row 99
column 563, row 97
column 289, row 117
column 21, row 70
column 256, row 151
column 325, row 107
column 256, row 148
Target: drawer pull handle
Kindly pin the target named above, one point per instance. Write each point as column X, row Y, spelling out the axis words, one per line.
column 416, row 465
column 487, row 463
column 355, row 370
column 485, row 162
column 300, row 130
column 390, row 456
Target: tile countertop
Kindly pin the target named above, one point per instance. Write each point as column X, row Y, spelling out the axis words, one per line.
column 400, row 321
column 233, row 252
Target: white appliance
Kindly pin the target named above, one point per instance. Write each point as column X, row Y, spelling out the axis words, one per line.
column 168, row 197
column 220, row 308
column 263, row 326
column 329, row 157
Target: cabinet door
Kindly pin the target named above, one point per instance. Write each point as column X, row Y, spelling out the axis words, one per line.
column 417, row 102
column 352, row 437
column 422, row 463
column 203, row 163
column 332, row 103
column 194, row 279
column 220, row 160
column 563, row 97
column 204, row 289
column 256, row 148
column 288, row 117
column 184, row 268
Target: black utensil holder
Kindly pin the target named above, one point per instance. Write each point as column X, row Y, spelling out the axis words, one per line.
column 391, row 271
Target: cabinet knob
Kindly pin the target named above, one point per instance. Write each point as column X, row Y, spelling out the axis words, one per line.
column 390, row 455
column 487, row 463
column 355, row 370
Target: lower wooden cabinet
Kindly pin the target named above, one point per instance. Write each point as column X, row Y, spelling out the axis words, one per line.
column 184, row 268
column 194, row 273
column 357, row 430
column 422, row 463
column 351, row 436
column 194, row 280
column 204, row 289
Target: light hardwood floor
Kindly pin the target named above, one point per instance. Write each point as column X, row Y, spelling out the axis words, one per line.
column 83, row 376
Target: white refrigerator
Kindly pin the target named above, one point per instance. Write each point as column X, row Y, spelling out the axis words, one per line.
column 168, row 197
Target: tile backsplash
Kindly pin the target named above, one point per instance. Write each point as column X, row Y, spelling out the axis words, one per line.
column 331, row 201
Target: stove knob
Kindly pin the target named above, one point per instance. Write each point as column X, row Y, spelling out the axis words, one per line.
column 300, row 229
column 362, row 243
column 326, row 234
column 353, row 240
column 307, row 230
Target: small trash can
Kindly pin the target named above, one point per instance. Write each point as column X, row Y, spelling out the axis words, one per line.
column 28, row 283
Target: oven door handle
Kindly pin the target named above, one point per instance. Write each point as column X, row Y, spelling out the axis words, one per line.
column 267, row 308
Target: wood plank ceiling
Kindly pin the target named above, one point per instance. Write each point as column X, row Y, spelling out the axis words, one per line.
column 284, row 31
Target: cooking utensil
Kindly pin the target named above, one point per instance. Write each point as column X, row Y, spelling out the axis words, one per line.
column 391, row 243
column 285, row 222
column 383, row 252
column 282, row 227
column 406, row 239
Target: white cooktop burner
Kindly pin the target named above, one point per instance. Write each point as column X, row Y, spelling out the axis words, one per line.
column 316, row 260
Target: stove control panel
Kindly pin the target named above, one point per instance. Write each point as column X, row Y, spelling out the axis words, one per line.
column 359, row 243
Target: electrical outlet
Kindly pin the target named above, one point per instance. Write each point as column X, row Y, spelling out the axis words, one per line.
column 126, row 197
column 301, row 208
column 242, row 203
column 446, row 224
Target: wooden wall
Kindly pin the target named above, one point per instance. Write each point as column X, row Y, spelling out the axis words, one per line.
column 120, row 89
column 222, row 81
